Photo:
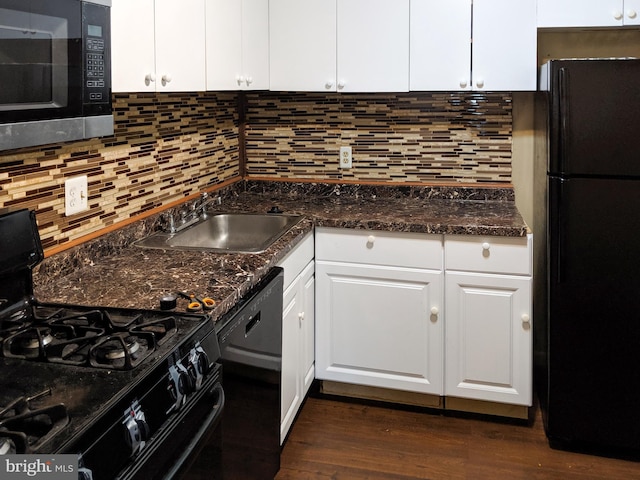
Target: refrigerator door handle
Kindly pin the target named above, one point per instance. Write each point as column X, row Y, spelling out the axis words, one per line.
column 563, row 95
column 560, row 230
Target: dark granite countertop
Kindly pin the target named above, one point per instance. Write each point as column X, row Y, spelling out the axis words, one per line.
column 109, row 271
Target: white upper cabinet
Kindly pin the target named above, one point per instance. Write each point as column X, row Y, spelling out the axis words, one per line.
column 237, row 33
column 440, row 44
column 158, row 47
column 373, row 45
column 339, row 45
column 302, row 45
column 504, row 45
column 489, row 45
column 588, row 13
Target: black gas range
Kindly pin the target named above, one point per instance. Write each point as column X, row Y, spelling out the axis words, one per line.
column 129, row 391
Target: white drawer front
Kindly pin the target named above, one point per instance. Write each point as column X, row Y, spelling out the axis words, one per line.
column 297, row 259
column 474, row 253
column 398, row 249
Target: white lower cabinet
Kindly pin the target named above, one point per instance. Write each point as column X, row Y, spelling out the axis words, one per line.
column 391, row 313
column 489, row 319
column 379, row 321
column 298, row 331
column 488, row 343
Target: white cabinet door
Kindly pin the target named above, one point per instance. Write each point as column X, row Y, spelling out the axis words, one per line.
column 584, row 13
column 308, row 327
column 490, row 45
column 298, row 331
column 373, row 45
column 440, row 46
column 631, row 12
column 133, row 45
column 375, row 326
column 158, row 47
column 180, row 46
column 504, row 45
column 237, row 44
column 291, row 388
column 302, row 45
column 489, row 337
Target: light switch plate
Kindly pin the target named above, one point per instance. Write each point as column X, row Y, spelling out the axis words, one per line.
column 345, row 157
column 75, row 195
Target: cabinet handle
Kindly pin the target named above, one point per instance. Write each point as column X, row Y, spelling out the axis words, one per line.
column 166, row 78
column 480, row 83
column 435, row 311
column 526, row 319
column 617, row 14
column 632, row 14
column 149, row 78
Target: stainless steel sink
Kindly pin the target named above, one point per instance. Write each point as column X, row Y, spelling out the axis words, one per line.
column 226, row 232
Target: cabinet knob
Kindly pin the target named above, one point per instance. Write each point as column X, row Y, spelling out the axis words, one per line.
column 435, row 311
column 166, row 78
column 239, row 80
column 371, row 239
column 463, row 83
column 149, row 78
column 617, row 14
column 632, row 14
column 526, row 319
column 341, row 84
column 486, row 246
column 328, row 85
column 249, row 81
column 480, row 83
column 301, row 316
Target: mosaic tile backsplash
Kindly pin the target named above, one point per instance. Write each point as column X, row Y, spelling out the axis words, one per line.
column 165, row 147
column 169, row 146
column 423, row 138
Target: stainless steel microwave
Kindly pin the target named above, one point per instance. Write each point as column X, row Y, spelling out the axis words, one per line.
column 55, row 71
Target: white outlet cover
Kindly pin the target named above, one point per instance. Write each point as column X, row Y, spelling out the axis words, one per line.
column 345, row 157
column 75, row 195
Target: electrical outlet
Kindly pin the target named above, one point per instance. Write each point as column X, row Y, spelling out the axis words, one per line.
column 75, row 195
column 345, row 157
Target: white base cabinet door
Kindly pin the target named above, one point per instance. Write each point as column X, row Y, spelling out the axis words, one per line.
column 298, row 332
column 379, row 326
column 489, row 337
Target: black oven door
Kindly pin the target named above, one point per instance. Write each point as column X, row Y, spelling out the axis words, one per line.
column 41, row 67
column 191, row 445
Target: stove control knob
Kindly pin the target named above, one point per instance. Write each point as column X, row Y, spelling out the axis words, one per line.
column 137, row 430
column 198, row 365
column 176, row 391
column 186, row 381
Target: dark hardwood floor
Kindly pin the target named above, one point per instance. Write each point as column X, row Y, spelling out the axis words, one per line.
column 335, row 439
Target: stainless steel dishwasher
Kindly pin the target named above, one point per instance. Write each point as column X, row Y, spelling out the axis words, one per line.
column 250, row 338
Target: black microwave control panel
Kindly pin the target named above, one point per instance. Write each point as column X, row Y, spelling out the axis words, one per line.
column 96, row 42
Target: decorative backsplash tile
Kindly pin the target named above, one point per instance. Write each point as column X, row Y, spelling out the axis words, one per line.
column 169, row 146
column 421, row 138
column 165, row 147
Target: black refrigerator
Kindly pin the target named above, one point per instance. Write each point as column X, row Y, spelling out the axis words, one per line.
column 588, row 344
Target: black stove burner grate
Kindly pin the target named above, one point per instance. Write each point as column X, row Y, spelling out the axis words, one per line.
column 23, row 428
column 102, row 338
